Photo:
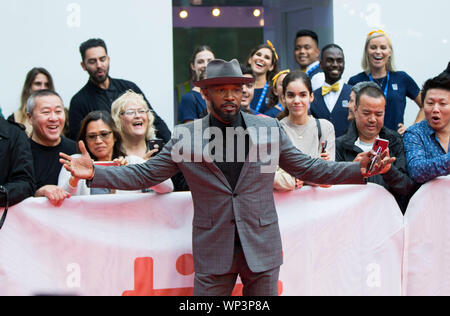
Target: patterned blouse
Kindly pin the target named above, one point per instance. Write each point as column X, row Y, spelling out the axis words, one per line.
column 425, row 155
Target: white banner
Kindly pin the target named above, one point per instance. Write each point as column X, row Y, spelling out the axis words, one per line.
column 427, row 240
column 345, row 240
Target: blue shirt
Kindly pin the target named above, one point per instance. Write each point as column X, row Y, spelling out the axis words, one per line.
column 274, row 111
column 256, row 96
column 191, row 107
column 401, row 85
column 425, row 157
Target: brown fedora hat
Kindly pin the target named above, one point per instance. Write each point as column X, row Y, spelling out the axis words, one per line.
column 220, row 71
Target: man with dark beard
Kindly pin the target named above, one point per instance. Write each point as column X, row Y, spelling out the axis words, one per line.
column 102, row 90
column 235, row 225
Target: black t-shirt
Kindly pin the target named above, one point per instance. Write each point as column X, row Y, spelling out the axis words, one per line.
column 231, row 169
column 93, row 98
column 46, row 160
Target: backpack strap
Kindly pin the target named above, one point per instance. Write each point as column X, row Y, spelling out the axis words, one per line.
column 319, row 129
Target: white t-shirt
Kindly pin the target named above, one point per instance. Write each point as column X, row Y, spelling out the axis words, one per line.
column 365, row 147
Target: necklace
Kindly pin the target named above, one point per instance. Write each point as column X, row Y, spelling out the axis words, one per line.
column 382, row 82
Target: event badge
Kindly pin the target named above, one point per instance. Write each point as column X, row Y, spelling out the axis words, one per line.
column 344, row 103
column 394, row 87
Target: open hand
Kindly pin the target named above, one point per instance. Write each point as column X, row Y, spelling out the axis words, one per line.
column 83, row 167
column 381, row 167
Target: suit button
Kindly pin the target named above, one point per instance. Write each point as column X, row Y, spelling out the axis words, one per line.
column 235, row 195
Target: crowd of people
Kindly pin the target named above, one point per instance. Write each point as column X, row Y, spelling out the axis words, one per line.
column 341, row 115
column 333, row 120
column 110, row 121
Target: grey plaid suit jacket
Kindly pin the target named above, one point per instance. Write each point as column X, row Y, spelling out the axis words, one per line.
column 219, row 210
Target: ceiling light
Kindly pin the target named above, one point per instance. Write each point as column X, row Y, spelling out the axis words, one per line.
column 216, row 12
column 184, row 14
column 256, row 13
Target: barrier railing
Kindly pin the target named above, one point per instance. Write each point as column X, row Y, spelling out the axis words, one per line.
column 344, row 240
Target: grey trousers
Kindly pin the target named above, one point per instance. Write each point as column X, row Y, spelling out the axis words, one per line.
column 255, row 284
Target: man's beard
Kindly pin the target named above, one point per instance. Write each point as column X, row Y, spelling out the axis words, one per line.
column 225, row 117
column 97, row 79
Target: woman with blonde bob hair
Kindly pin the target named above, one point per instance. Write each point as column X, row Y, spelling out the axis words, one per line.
column 134, row 121
column 379, row 67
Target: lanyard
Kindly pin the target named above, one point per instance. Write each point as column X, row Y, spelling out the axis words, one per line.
column 312, row 69
column 387, row 84
column 262, row 97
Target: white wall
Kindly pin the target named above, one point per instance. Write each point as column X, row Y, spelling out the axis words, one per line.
column 420, row 32
column 47, row 33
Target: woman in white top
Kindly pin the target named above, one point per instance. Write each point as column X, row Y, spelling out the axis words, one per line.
column 134, row 122
column 306, row 133
column 103, row 142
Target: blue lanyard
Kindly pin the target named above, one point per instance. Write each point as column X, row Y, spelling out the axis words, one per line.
column 262, row 98
column 312, row 69
column 387, row 84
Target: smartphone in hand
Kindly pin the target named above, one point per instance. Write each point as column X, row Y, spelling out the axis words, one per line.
column 379, row 146
column 324, row 147
column 156, row 144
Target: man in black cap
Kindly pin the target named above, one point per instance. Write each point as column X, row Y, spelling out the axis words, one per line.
column 224, row 158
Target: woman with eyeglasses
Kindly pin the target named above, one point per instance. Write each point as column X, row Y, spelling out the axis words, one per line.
column 134, row 121
column 104, row 144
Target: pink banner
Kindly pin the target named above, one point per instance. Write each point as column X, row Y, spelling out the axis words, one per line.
column 427, row 240
column 345, row 240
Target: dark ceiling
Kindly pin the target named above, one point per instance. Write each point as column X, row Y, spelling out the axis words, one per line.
column 210, row 3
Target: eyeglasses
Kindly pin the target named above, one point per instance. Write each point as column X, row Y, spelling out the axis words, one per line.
column 103, row 136
column 131, row 113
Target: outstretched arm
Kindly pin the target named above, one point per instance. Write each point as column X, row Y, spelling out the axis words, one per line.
column 131, row 177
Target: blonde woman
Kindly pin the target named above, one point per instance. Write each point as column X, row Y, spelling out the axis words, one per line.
column 379, row 67
column 103, row 143
column 134, row 120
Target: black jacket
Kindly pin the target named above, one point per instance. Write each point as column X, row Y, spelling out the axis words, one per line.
column 16, row 161
column 92, row 98
column 396, row 180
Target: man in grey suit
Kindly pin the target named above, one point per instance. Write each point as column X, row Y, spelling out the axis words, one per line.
column 228, row 159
